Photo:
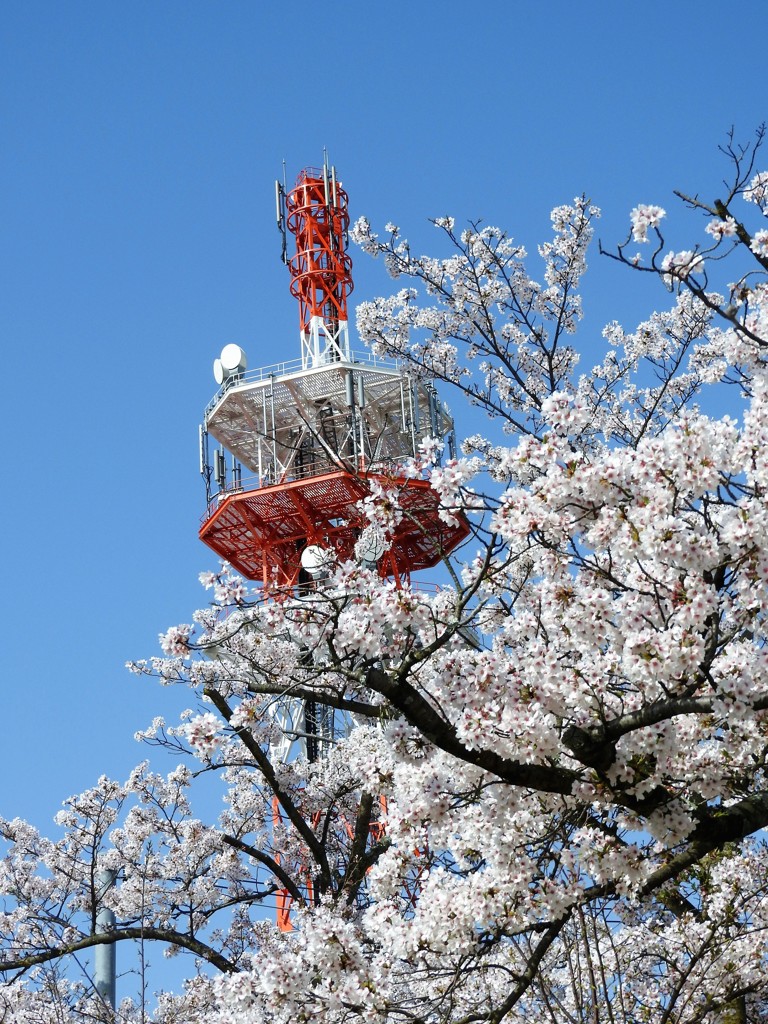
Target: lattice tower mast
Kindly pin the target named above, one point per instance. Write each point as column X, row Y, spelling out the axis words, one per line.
column 316, row 213
column 301, row 443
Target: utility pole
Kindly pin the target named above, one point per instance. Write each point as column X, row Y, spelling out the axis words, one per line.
column 106, row 952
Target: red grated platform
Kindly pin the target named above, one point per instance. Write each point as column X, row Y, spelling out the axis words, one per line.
column 262, row 532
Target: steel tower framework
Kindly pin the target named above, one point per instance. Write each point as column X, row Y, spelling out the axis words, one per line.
column 300, row 445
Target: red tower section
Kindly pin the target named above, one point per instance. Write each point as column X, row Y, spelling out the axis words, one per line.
column 316, row 214
column 301, row 444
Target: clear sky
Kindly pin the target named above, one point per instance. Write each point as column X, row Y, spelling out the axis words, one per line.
column 139, row 145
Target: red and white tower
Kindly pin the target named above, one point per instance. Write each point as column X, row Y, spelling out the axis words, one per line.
column 300, row 443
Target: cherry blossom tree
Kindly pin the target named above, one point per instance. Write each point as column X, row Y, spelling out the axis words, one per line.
column 545, row 790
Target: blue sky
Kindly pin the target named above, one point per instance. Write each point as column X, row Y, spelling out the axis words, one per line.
column 140, row 142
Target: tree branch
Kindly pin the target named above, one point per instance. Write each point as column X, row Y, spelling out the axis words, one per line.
column 186, row 941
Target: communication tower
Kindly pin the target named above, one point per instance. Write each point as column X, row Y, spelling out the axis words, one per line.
column 288, row 452
column 297, row 445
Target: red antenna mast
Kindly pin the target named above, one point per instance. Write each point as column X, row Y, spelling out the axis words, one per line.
column 315, row 212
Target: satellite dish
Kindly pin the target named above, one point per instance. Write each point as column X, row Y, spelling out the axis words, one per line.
column 231, row 363
column 315, row 559
column 233, row 360
column 371, row 545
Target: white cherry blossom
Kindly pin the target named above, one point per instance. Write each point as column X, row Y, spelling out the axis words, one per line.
column 542, row 788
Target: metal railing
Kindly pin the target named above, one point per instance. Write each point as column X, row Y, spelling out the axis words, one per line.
column 357, row 360
column 395, row 468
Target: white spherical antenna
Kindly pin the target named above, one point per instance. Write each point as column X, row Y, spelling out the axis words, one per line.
column 233, row 360
column 218, row 371
column 315, row 559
